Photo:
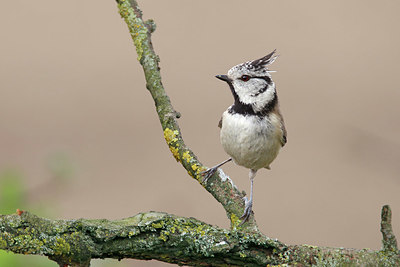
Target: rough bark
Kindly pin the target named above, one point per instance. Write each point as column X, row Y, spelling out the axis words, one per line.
column 220, row 185
column 166, row 237
column 169, row 238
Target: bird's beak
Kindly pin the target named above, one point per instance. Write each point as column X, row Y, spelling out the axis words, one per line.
column 223, row 78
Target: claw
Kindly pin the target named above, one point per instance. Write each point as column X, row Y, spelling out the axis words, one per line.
column 208, row 173
column 248, row 209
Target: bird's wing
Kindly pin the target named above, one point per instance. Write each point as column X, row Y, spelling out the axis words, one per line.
column 284, row 135
column 283, row 128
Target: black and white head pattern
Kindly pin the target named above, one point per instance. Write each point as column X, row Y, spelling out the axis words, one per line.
column 252, row 86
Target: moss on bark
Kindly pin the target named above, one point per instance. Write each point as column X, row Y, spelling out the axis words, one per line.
column 168, row 238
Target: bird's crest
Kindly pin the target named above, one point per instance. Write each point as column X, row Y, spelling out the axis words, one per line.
column 264, row 61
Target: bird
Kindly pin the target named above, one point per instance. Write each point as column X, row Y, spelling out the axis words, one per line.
column 252, row 129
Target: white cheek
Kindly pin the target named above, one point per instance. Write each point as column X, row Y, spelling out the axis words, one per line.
column 245, row 90
column 261, row 100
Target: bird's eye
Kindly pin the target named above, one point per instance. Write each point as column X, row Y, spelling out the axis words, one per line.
column 245, row 78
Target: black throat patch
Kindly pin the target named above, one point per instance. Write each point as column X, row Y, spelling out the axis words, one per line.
column 246, row 109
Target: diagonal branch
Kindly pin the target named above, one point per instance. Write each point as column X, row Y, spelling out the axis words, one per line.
column 220, row 185
column 169, row 238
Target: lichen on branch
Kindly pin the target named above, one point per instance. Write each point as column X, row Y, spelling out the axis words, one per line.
column 152, row 235
column 170, row 238
column 167, row 238
column 389, row 241
column 221, row 188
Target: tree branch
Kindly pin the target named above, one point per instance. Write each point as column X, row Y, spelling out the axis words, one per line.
column 220, row 185
column 389, row 240
column 168, row 238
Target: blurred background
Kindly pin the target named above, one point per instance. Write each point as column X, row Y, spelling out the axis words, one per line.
column 79, row 135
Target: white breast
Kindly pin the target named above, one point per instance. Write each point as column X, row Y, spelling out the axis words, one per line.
column 251, row 141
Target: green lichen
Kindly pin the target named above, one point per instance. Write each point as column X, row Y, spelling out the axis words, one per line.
column 167, row 115
column 131, row 233
column 157, row 225
column 172, row 137
column 186, row 156
column 61, row 247
column 137, row 28
column 27, row 244
column 364, row 257
column 195, row 167
column 164, row 236
column 310, row 246
column 168, row 238
column 175, row 152
column 235, row 220
column 192, row 166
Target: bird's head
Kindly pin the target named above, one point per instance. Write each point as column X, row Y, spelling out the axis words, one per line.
column 251, row 82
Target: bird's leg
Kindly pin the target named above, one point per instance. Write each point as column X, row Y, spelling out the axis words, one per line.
column 210, row 172
column 248, row 202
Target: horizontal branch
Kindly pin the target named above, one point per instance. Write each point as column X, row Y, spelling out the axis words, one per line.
column 168, row 238
column 146, row 236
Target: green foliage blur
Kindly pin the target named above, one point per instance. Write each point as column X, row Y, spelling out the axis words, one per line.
column 12, row 197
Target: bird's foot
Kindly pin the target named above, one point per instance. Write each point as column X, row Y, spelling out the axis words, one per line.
column 248, row 209
column 208, row 173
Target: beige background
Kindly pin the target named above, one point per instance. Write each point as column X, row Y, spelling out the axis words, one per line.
column 70, row 84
